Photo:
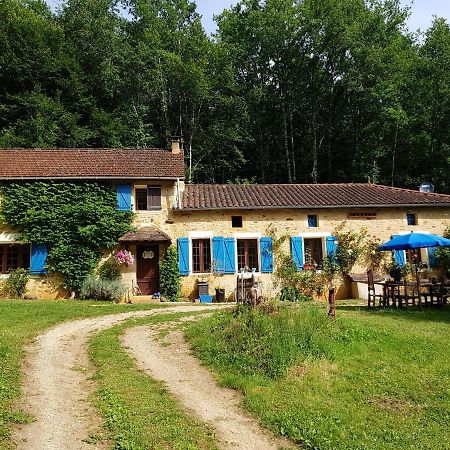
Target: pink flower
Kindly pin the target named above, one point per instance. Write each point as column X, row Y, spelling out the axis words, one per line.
column 124, row 257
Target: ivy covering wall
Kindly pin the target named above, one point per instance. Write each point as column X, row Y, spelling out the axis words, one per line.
column 75, row 220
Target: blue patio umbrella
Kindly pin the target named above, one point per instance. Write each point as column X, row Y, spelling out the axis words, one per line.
column 414, row 240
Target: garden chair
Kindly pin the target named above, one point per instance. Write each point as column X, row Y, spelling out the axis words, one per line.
column 372, row 296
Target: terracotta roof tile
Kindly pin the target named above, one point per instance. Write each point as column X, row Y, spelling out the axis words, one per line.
column 145, row 234
column 90, row 163
column 307, row 196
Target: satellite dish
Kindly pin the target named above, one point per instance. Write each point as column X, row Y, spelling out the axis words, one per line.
column 427, row 188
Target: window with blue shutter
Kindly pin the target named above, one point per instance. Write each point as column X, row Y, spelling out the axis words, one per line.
column 218, row 255
column 297, row 251
column 183, row 256
column 399, row 255
column 124, row 197
column 230, row 255
column 312, row 221
column 38, row 260
column 265, row 244
column 331, row 247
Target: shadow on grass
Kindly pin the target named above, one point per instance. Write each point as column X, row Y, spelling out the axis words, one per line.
column 430, row 313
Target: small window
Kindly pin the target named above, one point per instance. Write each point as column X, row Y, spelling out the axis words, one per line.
column 148, row 198
column 236, row 221
column 247, row 253
column 313, row 253
column 141, row 199
column 411, row 219
column 201, row 255
column 14, row 256
column 312, row 221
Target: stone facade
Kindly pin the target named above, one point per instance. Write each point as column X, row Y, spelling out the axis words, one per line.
column 255, row 224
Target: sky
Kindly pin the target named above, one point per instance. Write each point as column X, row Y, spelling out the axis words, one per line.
column 421, row 17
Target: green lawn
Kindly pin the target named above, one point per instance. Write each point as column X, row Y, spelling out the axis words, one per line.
column 138, row 412
column 20, row 321
column 372, row 380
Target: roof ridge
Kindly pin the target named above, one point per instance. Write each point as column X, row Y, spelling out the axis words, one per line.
column 383, row 186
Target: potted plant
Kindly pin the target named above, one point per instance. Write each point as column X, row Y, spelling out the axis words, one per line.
column 395, row 271
column 220, row 294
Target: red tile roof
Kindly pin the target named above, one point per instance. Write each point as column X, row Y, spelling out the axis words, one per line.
column 94, row 163
column 145, row 234
column 304, row 196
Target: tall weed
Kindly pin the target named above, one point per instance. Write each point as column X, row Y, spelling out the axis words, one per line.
column 262, row 342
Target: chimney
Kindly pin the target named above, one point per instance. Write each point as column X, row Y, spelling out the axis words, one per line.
column 177, row 144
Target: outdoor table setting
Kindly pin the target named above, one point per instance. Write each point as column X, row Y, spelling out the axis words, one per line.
column 418, row 292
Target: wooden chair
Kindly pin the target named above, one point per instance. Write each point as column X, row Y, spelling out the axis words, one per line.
column 410, row 295
column 372, row 296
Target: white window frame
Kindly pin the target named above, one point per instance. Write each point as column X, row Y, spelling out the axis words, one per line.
column 256, row 236
column 199, row 235
column 423, row 251
column 315, row 235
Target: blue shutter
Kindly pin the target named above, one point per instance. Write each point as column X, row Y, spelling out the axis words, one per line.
column 331, row 246
column 218, row 255
column 124, row 197
column 265, row 244
column 297, row 251
column 399, row 255
column 431, row 258
column 38, row 258
column 183, row 256
column 230, row 255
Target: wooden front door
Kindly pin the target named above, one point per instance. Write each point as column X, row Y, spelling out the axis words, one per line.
column 148, row 269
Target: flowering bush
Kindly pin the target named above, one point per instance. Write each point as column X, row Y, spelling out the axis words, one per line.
column 124, row 257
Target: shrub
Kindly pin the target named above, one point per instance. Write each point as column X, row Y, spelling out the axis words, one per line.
column 15, row 285
column 293, row 294
column 109, row 270
column 170, row 275
column 101, row 289
column 256, row 342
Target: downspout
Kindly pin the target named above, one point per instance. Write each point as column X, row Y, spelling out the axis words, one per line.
column 178, row 194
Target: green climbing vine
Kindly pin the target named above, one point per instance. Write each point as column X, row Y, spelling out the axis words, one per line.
column 75, row 220
column 170, row 275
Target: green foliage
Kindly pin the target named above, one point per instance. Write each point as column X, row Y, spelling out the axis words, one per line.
column 286, row 91
column 256, row 342
column 294, row 294
column 76, row 221
column 94, row 288
column 109, row 270
column 351, row 246
column 15, row 285
column 441, row 256
column 169, row 275
column 371, row 353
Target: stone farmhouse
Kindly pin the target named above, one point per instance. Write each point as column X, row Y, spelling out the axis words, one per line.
column 220, row 230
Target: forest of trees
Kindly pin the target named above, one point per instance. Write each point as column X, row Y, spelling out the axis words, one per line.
column 287, row 91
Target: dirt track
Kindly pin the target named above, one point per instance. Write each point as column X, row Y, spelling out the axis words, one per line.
column 195, row 388
column 57, row 387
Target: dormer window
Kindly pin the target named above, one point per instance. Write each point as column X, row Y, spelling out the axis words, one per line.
column 148, row 198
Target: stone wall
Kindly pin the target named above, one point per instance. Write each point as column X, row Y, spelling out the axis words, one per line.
column 290, row 222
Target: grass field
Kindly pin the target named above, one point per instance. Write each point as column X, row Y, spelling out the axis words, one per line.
column 372, row 380
column 20, row 321
column 139, row 413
